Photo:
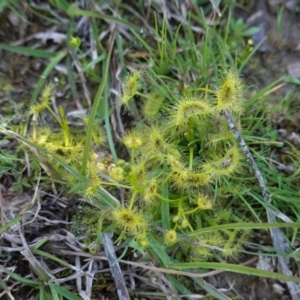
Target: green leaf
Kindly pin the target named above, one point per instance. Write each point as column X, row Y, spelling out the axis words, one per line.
column 42, row 292
column 10, row 224
column 19, row 278
column 250, row 31
column 54, row 292
column 244, row 226
column 40, row 243
column 97, row 102
column 50, row 256
column 4, row 286
column 165, row 212
column 234, row 268
column 60, row 4
column 210, row 289
column 159, row 250
column 94, row 62
column 28, row 51
column 293, row 80
column 64, row 292
column 73, row 11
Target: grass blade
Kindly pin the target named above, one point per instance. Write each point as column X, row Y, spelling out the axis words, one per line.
column 10, row 224
column 234, row 268
column 20, row 279
column 93, row 113
column 64, row 292
column 29, row 51
column 244, row 226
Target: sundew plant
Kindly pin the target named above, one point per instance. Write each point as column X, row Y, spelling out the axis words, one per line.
column 184, row 160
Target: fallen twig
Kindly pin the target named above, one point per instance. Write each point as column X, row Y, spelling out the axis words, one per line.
column 115, row 267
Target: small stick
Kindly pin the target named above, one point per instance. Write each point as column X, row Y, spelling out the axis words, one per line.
column 115, row 267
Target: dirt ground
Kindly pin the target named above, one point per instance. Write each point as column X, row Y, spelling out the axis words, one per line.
column 278, row 56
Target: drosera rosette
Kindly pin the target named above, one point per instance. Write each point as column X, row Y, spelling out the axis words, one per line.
column 204, row 202
column 229, row 92
column 187, row 109
column 225, row 165
column 43, row 135
column 196, row 179
column 94, row 181
column 170, row 236
column 155, row 145
column 178, row 163
column 131, row 222
column 152, row 105
column 133, row 140
column 206, row 246
column 185, row 179
column 43, row 102
column 233, row 239
column 217, row 134
column 131, row 86
column 215, row 140
column 69, row 153
column 150, row 191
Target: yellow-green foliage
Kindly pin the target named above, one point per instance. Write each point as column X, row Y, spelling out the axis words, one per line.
column 191, row 152
column 66, row 145
column 180, row 158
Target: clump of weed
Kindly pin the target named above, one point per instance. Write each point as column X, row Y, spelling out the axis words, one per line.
column 175, row 169
column 177, row 165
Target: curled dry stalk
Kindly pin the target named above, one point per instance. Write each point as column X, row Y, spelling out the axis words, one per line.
column 281, row 244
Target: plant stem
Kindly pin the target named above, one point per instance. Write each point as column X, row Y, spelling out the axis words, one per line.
column 190, row 211
column 191, row 157
column 132, row 200
column 171, row 200
column 96, row 103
